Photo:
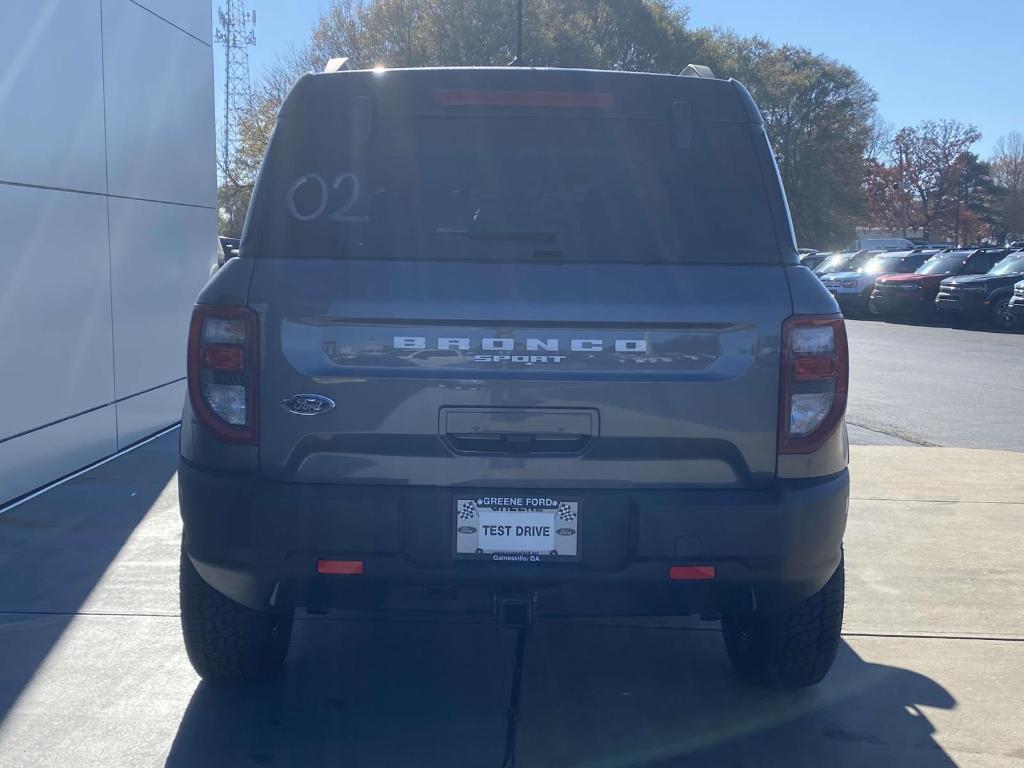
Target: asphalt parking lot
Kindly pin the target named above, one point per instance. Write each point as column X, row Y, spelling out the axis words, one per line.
column 934, row 385
column 93, row 672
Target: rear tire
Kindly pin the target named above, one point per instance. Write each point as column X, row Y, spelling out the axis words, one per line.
column 788, row 650
column 228, row 643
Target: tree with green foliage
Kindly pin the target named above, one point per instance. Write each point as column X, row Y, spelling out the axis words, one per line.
column 820, row 116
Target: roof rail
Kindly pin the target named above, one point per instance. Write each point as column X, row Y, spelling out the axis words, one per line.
column 338, row 64
column 697, row 70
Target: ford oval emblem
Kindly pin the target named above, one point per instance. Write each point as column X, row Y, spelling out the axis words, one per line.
column 308, row 405
column 466, row 530
column 565, row 532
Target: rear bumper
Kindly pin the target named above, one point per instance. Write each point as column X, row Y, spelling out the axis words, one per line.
column 258, row 542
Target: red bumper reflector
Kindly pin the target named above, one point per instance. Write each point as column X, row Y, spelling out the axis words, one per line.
column 340, row 567
column 691, row 572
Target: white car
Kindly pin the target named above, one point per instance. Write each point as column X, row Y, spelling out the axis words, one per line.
column 852, row 287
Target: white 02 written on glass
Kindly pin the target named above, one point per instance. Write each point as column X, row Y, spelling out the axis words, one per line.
column 340, row 214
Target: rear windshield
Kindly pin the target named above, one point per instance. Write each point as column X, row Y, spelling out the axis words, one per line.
column 565, row 187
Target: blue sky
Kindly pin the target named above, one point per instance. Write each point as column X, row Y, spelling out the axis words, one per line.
column 940, row 58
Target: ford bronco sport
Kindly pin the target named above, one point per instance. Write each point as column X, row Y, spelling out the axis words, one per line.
column 526, row 342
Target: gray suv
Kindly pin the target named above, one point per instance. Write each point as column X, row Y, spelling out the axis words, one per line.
column 524, row 342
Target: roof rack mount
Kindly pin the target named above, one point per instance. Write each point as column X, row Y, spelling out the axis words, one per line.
column 698, row 70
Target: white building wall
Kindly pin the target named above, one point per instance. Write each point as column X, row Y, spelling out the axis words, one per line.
column 107, row 224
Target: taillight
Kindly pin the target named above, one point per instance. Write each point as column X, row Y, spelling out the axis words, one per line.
column 222, row 371
column 814, row 381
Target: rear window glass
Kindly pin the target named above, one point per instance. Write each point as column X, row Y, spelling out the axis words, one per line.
column 565, row 187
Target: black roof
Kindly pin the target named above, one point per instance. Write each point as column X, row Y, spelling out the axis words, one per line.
column 416, row 91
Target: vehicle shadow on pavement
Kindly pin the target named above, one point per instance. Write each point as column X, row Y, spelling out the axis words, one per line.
column 371, row 693
column 618, row 696
column 55, row 549
column 412, row 693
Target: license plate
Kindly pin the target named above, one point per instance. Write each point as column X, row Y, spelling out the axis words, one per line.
column 516, row 528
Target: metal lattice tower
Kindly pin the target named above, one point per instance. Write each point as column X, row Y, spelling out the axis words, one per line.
column 236, row 31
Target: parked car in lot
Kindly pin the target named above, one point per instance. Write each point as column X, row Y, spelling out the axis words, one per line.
column 846, row 261
column 1017, row 303
column 812, row 260
column 852, row 289
column 983, row 297
column 608, row 432
column 914, row 294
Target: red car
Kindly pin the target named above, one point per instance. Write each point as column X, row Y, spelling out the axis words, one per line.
column 915, row 293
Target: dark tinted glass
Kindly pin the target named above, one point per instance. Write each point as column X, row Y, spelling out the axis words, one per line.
column 911, row 263
column 572, row 187
column 978, row 265
column 944, row 264
column 1011, row 265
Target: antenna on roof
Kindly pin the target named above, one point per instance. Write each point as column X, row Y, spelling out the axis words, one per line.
column 518, row 60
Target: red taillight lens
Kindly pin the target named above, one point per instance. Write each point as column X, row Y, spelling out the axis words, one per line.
column 222, row 371
column 814, row 381
column 814, row 367
column 576, row 99
column 221, row 357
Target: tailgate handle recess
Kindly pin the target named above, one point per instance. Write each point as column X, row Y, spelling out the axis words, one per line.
column 518, row 431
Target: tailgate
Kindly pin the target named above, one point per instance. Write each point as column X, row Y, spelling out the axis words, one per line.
column 520, row 375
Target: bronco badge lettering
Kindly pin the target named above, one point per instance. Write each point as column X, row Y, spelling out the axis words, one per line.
column 509, row 344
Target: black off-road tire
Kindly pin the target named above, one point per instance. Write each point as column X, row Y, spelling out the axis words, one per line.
column 788, row 650
column 228, row 643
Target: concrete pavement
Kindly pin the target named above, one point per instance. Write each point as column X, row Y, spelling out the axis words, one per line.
column 93, row 673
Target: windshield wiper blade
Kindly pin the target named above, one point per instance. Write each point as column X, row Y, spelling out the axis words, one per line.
column 499, row 235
